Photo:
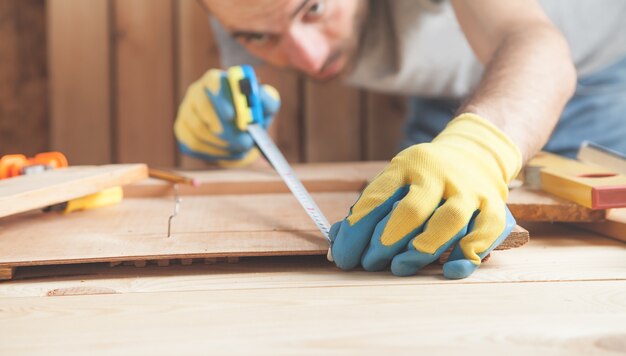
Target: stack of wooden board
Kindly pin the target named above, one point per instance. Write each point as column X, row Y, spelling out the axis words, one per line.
column 232, row 213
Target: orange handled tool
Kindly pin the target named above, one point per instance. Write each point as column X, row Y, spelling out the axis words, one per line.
column 17, row 164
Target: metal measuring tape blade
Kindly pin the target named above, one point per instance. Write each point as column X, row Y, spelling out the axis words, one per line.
column 278, row 161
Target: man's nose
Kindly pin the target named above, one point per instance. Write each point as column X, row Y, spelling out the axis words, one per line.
column 307, row 48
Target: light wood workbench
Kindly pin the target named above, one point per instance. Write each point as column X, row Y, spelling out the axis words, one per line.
column 564, row 293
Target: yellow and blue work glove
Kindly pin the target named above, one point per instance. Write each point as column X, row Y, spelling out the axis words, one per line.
column 448, row 193
column 205, row 125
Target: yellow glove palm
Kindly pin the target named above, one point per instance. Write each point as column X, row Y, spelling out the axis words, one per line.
column 205, row 126
column 430, row 197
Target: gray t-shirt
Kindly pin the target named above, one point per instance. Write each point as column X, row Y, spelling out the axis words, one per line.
column 416, row 47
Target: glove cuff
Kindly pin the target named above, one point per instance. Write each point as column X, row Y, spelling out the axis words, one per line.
column 471, row 133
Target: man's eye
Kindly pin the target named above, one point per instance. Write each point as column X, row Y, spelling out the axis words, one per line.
column 257, row 39
column 316, row 10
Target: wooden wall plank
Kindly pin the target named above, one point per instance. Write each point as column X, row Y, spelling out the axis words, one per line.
column 333, row 123
column 79, row 64
column 287, row 128
column 385, row 119
column 145, row 108
column 23, row 77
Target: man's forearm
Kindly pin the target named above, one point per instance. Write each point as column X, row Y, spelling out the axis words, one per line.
column 528, row 80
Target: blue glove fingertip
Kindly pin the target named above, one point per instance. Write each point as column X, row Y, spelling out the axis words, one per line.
column 334, row 230
column 408, row 263
column 270, row 101
column 346, row 249
column 458, row 269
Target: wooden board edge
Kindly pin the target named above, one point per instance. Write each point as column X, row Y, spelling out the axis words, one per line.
column 517, row 238
column 6, row 273
column 611, row 229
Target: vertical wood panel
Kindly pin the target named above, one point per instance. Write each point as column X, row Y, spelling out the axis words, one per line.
column 145, row 81
column 23, row 78
column 286, row 128
column 196, row 53
column 385, row 120
column 334, row 125
column 79, row 64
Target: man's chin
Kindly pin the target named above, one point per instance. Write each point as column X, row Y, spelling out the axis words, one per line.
column 333, row 71
column 324, row 78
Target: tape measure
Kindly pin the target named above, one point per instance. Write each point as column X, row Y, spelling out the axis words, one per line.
column 249, row 117
column 275, row 157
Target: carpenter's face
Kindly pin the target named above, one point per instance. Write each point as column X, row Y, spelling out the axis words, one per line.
column 316, row 37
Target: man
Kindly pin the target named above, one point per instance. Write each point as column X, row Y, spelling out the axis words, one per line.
column 506, row 62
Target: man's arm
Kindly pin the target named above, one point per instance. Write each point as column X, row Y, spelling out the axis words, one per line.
column 529, row 74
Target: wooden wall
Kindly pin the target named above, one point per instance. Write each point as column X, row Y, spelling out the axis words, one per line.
column 118, row 70
column 23, row 77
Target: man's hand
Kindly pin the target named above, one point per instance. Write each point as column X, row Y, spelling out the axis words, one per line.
column 432, row 196
column 205, row 125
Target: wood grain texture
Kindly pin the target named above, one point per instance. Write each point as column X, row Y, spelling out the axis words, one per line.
column 206, row 227
column 569, row 318
column 137, row 229
column 333, row 123
column 517, row 238
column 317, row 177
column 6, row 273
column 24, row 193
column 145, row 81
column 533, row 205
column 287, row 128
column 614, row 226
column 385, row 119
column 23, row 77
column 565, row 305
column 525, row 204
column 553, row 255
column 80, row 85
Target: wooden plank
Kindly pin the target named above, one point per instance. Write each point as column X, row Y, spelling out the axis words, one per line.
column 196, row 52
column 591, row 186
column 569, row 318
column 385, row 118
column 136, row 229
column 317, row 177
column 552, row 255
column 6, row 273
column 80, row 85
column 333, row 123
column 23, row 78
column 534, row 205
column 525, row 204
column 24, row 193
column 145, row 81
column 517, row 238
column 614, row 226
column 594, row 154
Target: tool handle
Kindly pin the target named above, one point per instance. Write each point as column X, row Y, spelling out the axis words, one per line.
column 246, row 93
column 103, row 198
